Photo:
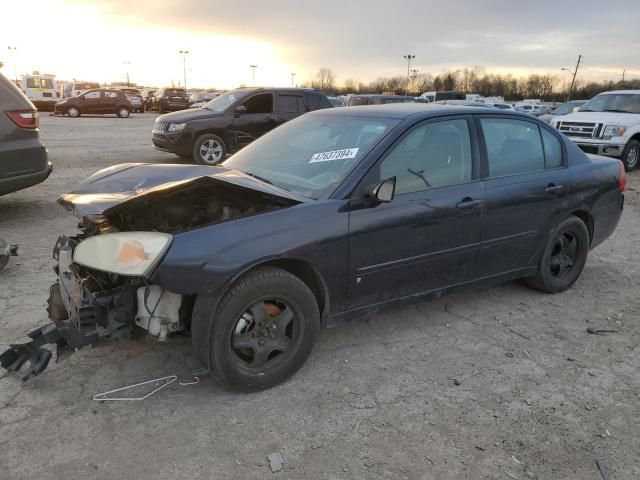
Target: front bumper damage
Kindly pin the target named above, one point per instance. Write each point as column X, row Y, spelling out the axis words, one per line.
column 79, row 315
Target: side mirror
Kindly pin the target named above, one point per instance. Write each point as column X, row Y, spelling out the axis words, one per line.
column 575, row 109
column 383, row 191
column 240, row 110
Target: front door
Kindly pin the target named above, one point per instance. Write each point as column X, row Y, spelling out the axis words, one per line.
column 253, row 120
column 427, row 237
column 92, row 102
column 525, row 183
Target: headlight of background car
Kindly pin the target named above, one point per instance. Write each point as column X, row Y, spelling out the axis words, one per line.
column 125, row 253
column 176, row 127
column 611, row 131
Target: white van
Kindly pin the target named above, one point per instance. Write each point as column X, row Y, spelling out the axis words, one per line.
column 42, row 90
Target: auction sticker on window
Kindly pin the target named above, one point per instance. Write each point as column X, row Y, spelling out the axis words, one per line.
column 344, row 154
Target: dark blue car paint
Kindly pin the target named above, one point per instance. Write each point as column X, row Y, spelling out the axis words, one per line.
column 419, row 244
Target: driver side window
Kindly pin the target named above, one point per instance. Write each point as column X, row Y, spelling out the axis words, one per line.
column 434, row 154
column 261, row 103
column 92, row 95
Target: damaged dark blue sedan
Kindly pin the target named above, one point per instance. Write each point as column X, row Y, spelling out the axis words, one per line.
column 332, row 214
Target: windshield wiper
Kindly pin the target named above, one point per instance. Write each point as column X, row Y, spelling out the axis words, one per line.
column 265, row 180
column 614, row 110
column 583, row 110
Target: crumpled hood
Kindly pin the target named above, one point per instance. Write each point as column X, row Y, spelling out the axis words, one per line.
column 116, row 185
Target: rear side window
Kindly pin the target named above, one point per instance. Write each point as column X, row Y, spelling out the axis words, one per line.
column 355, row 101
column 552, row 149
column 111, row 94
column 513, row 146
column 290, row 104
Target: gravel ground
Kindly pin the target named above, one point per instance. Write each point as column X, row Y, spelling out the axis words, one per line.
column 501, row 383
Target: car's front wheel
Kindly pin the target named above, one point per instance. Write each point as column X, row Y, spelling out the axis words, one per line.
column 631, row 155
column 263, row 330
column 209, row 149
column 123, row 112
column 73, row 112
column 563, row 258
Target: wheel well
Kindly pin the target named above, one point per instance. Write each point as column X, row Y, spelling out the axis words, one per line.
column 636, row 137
column 219, row 133
column 587, row 219
column 308, row 275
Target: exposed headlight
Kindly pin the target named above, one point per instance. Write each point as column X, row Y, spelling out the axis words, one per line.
column 176, row 127
column 124, row 253
column 611, row 131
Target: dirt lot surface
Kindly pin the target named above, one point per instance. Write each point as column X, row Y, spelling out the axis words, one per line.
column 502, row 383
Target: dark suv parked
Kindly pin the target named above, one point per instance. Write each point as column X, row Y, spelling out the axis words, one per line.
column 99, row 101
column 231, row 121
column 23, row 158
column 171, row 99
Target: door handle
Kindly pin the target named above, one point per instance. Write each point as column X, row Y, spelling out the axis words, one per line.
column 468, row 204
column 553, row 188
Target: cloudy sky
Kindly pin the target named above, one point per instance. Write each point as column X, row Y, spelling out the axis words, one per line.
column 102, row 40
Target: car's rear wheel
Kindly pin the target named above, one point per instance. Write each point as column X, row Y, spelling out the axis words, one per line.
column 263, row 330
column 73, row 112
column 209, row 149
column 563, row 258
column 123, row 112
column 631, row 155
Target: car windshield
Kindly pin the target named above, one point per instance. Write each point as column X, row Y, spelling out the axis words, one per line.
column 224, row 101
column 311, row 154
column 613, row 102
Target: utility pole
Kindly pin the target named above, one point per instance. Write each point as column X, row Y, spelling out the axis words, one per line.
column 184, row 54
column 573, row 80
column 12, row 51
column 623, row 72
column 293, row 75
column 408, row 57
column 253, row 74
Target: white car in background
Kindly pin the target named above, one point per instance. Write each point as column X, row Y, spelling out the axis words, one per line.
column 608, row 124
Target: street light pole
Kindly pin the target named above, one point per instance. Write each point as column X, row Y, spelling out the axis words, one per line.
column 12, row 50
column 253, row 74
column 408, row 57
column 127, row 67
column 414, row 75
column 184, row 54
column 293, row 75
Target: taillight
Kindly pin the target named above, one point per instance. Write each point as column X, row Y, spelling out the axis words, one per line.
column 24, row 118
column 622, row 182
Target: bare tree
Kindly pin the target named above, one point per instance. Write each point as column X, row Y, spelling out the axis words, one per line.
column 349, row 85
column 325, row 79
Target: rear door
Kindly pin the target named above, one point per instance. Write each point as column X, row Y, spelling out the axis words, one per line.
column 110, row 101
column 428, row 236
column 526, row 184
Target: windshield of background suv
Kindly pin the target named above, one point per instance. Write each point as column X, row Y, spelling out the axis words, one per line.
column 311, row 154
column 224, row 101
column 613, row 102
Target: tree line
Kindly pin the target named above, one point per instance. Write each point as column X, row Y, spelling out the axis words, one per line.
column 547, row 87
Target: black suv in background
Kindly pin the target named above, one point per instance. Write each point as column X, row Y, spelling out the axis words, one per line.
column 23, row 158
column 100, row 101
column 170, row 100
column 231, row 121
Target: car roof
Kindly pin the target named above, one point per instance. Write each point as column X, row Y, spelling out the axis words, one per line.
column 406, row 110
column 610, row 92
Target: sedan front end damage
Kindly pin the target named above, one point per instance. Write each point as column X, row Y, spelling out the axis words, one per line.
column 128, row 217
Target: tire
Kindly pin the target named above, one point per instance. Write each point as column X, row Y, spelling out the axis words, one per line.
column 209, row 149
column 563, row 258
column 247, row 349
column 631, row 155
column 73, row 112
column 123, row 112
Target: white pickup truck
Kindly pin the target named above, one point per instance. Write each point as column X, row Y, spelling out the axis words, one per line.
column 608, row 124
